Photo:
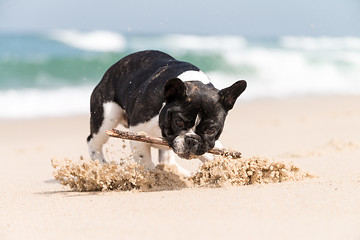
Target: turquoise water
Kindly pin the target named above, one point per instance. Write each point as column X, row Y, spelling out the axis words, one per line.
column 52, row 74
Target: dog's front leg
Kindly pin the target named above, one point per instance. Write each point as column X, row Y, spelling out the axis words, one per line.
column 168, row 157
column 142, row 154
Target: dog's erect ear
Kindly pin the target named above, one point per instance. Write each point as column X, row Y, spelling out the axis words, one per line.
column 174, row 89
column 229, row 95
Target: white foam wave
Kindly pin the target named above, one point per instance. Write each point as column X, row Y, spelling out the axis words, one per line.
column 282, row 73
column 205, row 43
column 33, row 103
column 273, row 88
column 102, row 41
column 321, row 43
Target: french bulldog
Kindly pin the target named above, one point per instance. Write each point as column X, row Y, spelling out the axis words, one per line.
column 151, row 92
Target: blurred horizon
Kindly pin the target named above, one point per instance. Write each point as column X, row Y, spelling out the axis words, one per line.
column 53, row 53
column 259, row 18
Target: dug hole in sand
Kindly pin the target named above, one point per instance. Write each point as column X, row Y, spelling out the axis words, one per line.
column 88, row 175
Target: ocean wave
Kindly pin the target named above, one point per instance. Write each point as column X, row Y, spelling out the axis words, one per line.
column 321, row 43
column 280, row 72
column 276, row 86
column 270, row 79
column 272, row 67
column 100, row 41
column 34, row 103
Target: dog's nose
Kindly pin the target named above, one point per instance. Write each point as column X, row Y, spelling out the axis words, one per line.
column 191, row 142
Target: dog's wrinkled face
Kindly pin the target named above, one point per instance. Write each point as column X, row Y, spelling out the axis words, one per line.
column 194, row 114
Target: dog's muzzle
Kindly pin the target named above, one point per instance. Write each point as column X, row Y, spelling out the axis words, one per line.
column 189, row 146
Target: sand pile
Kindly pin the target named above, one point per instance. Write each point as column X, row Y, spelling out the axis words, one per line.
column 245, row 171
column 87, row 175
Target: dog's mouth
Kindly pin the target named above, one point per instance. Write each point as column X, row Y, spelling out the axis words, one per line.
column 187, row 155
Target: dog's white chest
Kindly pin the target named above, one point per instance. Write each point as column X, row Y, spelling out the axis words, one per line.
column 150, row 127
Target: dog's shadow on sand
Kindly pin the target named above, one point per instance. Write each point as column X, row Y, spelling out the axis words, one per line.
column 69, row 193
column 65, row 193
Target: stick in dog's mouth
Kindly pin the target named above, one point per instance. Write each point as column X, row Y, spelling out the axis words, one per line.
column 143, row 137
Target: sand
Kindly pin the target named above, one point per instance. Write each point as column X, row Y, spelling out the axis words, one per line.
column 319, row 135
column 87, row 175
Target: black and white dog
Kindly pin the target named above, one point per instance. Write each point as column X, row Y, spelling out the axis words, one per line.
column 152, row 92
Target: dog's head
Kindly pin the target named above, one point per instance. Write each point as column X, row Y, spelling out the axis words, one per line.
column 193, row 116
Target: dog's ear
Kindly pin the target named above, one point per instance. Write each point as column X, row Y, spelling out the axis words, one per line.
column 229, row 95
column 174, row 89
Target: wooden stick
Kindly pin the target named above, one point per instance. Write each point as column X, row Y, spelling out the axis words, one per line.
column 160, row 141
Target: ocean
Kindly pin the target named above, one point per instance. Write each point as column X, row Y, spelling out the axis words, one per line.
column 53, row 74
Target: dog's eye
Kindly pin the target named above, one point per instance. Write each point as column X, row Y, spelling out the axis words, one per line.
column 179, row 123
column 210, row 131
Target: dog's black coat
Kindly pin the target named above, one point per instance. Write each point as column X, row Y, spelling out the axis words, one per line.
column 132, row 80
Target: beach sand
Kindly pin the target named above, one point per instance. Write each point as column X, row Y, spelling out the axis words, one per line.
column 319, row 134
